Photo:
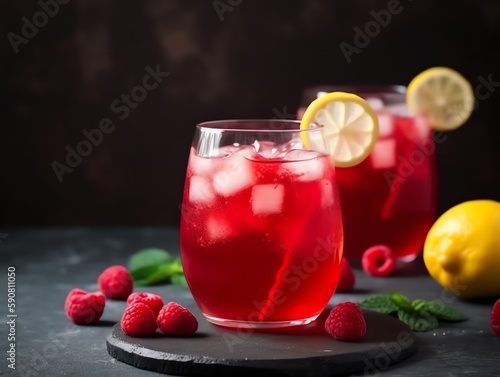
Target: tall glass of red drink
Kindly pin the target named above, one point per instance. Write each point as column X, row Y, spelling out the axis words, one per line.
column 391, row 197
column 261, row 231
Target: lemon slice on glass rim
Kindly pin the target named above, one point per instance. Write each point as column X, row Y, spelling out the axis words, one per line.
column 350, row 127
column 443, row 95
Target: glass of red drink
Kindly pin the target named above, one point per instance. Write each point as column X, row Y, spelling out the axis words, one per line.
column 261, row 230
column 391, row 197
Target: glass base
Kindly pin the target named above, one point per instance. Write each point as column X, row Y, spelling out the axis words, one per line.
column 233, row 323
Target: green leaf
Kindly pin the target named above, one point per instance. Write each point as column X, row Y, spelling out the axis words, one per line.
column 151, row 275
column 176, row 265
column 379, row 303
column 145, row 272
column 153, row 266
column 179, row 280
column 147, row 258
column 418, row 304
column 420, row 320
column 439, row 309
column 157, row 274
column 419, row 315
column 401, row 301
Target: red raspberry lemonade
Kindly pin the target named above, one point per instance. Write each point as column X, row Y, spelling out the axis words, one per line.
column 390, row 198
column 261, row 235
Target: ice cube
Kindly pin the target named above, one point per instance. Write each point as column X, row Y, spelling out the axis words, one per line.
column 400, row 110
column 385, row 124
column 292, row 145
column 383, row 155
column 304, row 165
column 327, row 198
column 248, row 151
column 235, row 175
column 267, row 199
column 200, row 190
column 422, row 129
column 415, row 128
column 300, row 155
column 218, row 228
column 375, row 103
column 200, row 165
column 267, row 149
column 228, row 150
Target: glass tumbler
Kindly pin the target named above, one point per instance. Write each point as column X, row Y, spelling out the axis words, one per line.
column 391, row 197
column 261, row 230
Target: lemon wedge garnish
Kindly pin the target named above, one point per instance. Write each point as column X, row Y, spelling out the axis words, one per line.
column 350, row 126
column 443, row 95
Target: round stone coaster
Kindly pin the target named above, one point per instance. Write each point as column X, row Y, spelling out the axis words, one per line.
column 296, row 351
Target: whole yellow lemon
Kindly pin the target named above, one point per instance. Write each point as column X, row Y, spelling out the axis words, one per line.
column 462, row 249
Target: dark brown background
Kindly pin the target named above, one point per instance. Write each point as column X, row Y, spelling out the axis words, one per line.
column 254, row 63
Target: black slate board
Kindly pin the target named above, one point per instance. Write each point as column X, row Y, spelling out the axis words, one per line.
column 297, row 351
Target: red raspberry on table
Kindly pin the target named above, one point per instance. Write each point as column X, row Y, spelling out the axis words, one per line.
column 84, row 308
column 378, row 260
column 138, row 319
column 346, row 322
column 174, row 319
column 495, row 318
column 154, row 302
column 115, row 282
column 347, row 278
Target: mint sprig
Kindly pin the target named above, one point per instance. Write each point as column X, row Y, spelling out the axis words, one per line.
column 420, row 320
column 154, row 266
column 380, row 303
column 401, row 301
column 419, row 314
column 440, row 310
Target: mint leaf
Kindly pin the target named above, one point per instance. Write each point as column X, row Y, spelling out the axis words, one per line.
column 379, row 303
column 153, row 266
column 401, row 301
column 439, row 309
column 418, row 303
column 157, row 274
column 420, row 320
column 176, row 266
column 147, row 258
column 144, row 273
column 179, row 280
column 152, row 275
column 419, row 314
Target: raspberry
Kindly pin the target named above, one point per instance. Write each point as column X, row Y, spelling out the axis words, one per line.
column 347, row 278
column 174, row 319
column 346, row 322
column 138, row 319
column 495, row 318
column 84, row 308
column 378, row 261
column 115, row 282
column 154, row 302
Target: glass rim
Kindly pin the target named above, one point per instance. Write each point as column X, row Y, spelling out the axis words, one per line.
column 359, row 88
column 216, row 126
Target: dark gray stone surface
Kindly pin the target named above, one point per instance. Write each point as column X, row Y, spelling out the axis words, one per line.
column 50, row 262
